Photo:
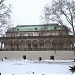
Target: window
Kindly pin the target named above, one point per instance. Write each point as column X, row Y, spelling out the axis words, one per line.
column 35, row 28
column 40, row 58
column 24, row 57
column 52, row 57
column 17, row 29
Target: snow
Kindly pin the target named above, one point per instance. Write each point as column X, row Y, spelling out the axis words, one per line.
column 35, row 67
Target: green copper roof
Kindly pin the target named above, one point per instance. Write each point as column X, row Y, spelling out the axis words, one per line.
column 36, row 27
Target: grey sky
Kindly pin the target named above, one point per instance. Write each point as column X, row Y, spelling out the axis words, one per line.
column 27, row 11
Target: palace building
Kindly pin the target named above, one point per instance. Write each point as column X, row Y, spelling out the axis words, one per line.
column 47, row 41
column 37, row 38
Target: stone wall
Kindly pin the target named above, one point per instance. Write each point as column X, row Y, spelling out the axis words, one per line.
column 65, row 55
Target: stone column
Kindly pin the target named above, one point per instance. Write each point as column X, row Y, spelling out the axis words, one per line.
column 17, row 46
column 31, row 45
column 38, row 44
column 25, row 45
column 1, row 45
column 11, row 46
column 44, row 44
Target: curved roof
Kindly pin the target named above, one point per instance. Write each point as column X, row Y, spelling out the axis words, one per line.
column 35, row 27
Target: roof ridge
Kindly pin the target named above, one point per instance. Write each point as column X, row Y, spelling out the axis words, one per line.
column 37, row 25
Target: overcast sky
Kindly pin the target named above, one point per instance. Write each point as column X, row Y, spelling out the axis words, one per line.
column 27, row 12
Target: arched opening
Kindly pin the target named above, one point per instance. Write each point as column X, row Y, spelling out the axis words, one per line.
column 16, row 44
column 22, row 45
column 28, row 45
column 41, row 44
column 48, row 44
column 9, row 45
column 35, row 45
column 1, row 45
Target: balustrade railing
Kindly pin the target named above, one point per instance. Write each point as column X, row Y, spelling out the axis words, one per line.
column 37, row 49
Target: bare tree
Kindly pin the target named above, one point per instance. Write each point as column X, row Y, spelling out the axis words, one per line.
column 5, row 21
column 63, row 13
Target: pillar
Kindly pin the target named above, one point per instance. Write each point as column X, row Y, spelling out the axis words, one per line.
column 1, row 45
column 11, row 46
column 31, row 45
column 25, row 45
column 44, row 44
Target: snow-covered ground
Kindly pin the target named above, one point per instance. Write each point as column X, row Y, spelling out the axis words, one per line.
column 35, row 67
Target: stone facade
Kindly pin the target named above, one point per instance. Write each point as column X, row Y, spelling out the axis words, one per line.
column 45, row 55
column 37, row 38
